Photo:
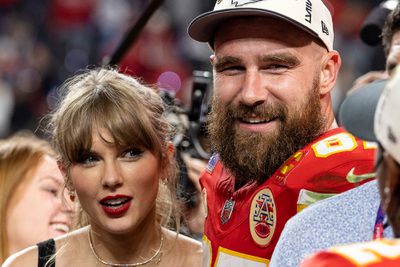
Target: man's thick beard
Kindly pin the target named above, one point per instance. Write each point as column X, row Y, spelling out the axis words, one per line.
column 256, row 156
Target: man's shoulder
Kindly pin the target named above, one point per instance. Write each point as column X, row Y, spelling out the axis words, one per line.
column 340, row 145
column 334, row 163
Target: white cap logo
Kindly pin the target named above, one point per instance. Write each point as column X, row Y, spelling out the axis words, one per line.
column 310, row 15
column 243, row 2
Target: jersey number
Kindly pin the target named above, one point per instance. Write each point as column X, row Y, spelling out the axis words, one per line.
column 334, row 144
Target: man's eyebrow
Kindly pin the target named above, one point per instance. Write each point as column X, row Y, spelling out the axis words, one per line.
column 281, row 58
column 220, row 62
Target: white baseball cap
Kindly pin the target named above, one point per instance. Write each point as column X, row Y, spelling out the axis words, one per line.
column 312, row 16
column 387, row 117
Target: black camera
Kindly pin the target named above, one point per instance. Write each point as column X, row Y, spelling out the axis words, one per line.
column 196, row 143
column 371, row 29
column 189, row 130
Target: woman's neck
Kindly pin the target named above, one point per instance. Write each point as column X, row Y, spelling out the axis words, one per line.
column 129, row 247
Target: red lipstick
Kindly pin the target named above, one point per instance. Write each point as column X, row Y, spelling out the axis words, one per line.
column 116, row 205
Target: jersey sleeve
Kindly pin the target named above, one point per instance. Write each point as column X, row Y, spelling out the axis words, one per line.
column 326, row 259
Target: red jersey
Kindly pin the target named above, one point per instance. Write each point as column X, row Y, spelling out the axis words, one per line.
column 242, row 227
column 378, row 253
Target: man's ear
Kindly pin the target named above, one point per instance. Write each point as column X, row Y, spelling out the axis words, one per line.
column 329, row 71
column 212, row 59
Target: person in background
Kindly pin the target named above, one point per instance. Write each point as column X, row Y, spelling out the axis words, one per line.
column 386, row 131
column 194, row 213
column 352, row 216
column 277, row 145
column 116, row 155
column 32, row 203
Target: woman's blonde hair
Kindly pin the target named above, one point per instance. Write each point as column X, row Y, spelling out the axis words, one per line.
column 132, row 113
column 20, row 155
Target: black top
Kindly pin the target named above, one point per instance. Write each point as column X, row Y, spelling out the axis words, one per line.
column 47, row 249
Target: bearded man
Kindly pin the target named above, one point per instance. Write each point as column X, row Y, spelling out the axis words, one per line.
column 277, row 145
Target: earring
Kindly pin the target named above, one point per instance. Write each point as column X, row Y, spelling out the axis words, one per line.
column 164, row 181
column 72, row 196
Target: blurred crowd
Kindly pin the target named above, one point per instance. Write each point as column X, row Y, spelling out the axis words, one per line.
column 42, row 42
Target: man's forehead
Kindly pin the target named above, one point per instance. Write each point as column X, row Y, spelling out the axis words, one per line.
column 259, row 27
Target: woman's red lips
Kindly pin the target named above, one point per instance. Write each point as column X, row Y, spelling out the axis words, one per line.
column 116, row 206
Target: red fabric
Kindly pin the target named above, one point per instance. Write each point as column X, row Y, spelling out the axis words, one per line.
column 304, row 170
column 72, row 12
column 326, row 259
column 379, row 253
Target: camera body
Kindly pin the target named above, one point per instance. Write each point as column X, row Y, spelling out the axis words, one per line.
column 189, row 130
column 371, row 29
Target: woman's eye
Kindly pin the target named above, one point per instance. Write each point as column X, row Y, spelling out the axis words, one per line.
column 87, row 159
column 132, row 153
column 51, row 190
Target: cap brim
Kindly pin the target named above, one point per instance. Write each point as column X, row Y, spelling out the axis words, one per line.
column 357, row 111
column 203, row 27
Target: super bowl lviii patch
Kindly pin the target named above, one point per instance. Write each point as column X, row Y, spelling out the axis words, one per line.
column 212, row 162
column 262, row 218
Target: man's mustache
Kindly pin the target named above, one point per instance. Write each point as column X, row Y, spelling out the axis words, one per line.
column 263, row 111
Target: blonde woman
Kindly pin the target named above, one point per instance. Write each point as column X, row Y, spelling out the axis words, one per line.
column 116, row 156
column 32, row 207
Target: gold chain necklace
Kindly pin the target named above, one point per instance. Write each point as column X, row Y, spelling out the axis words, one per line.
column 156, row 254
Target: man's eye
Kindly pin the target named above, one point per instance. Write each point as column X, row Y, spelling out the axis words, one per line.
column 276, row 67
column 230, row 69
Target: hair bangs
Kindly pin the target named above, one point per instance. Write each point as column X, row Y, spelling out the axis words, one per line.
column 75, row 137
column 127, row 127
column 120, row 114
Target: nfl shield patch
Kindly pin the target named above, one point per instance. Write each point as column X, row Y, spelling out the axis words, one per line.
column 227, row 210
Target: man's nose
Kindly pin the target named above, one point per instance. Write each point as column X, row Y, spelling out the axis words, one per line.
column 253, row 92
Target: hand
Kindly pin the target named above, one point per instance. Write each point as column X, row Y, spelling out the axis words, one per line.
column 194, row 168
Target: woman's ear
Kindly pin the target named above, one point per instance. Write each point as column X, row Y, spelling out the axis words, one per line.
column 171, row 150
column 62, row 167
column 167, row 165
column 329, row 71
column 65, row 172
